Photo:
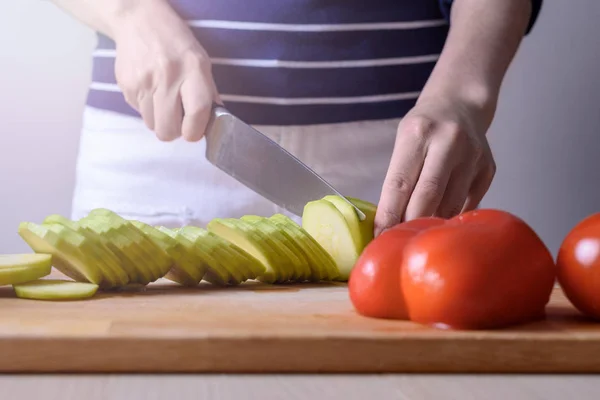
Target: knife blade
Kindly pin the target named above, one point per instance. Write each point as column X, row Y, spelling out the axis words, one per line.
column 262, row 165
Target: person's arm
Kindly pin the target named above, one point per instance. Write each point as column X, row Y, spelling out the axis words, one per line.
column 442, row 163
column 163, row 71
column 102, row 16
column 483, row 39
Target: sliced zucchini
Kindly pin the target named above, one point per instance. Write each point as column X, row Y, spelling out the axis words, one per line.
column 231, row 257
column 194, row 255
column 327, row 225
column 367, row 226
column 68, row 250
column 220, row 270
column 245, row 237
column 323, row 266
column 158, row 260
column 361, row 231
column 19, row 268
column 128, row 252
column 55, row 289
column 114, row 274
column 286, row 244
column 351, row 218
column 287, row 262
column 185, row 269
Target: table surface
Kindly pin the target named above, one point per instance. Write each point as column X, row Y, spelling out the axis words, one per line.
column 283, row 387
column 300, row 386
column 257, row 328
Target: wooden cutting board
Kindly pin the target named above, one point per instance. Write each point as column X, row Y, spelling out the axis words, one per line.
column 261, row 328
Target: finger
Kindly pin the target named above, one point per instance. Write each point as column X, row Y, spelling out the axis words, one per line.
column 146, row 109
column 134, row 84
column 168, row 112
column 197, row 98
column 403, row 172
column 132, row 98
column 432, row 182
column 216, row 97
column 480, row 186
column 456, row 192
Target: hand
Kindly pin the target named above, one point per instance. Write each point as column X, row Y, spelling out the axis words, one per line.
column 441, row 165
column 164, row 72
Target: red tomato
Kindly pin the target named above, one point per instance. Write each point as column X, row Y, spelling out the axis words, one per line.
column 579, row 266
column 374, row 284
column 421, row 224
column 483, row 269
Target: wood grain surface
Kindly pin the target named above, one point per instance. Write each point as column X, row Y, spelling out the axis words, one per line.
column 257, row 328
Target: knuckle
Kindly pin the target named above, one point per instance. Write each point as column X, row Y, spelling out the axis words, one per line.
column 134, row 83
column 132, row 98
column 195, row 122
column 129, row 95
column 195, row 61
column 453, row 128
column 431, row 188
column 126, row 81
column 167, row 67
column 201, row 109
column 399, row 183
column 199, row 116
column 482, row 158
column 194, row 130
column 419, row 128
column 478, row 154
column 454, row 133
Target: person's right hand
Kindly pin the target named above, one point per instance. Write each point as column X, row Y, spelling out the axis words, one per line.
column 164, row 72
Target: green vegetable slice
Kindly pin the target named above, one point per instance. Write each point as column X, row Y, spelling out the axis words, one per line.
column 19, row 268
column 55, row 289
column 327, row 225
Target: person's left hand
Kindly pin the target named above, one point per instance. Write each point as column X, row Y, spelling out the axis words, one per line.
column 441, row 165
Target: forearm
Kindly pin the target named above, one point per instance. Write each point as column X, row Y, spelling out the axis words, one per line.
column 483, row 39
column 105, row 16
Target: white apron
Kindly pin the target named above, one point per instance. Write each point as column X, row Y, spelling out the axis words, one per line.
column 122, row 166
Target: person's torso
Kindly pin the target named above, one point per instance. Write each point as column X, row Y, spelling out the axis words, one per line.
column 300, row 62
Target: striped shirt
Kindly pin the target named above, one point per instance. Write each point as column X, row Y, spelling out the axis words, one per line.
column 299, row 62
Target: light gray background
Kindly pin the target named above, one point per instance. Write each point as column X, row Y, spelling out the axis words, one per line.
column 546, row 135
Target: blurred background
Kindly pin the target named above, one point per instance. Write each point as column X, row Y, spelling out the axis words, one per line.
column 545, row 138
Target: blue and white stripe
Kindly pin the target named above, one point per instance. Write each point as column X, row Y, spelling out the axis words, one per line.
column 298, row 62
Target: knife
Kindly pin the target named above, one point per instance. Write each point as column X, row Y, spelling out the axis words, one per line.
column 262, row 165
